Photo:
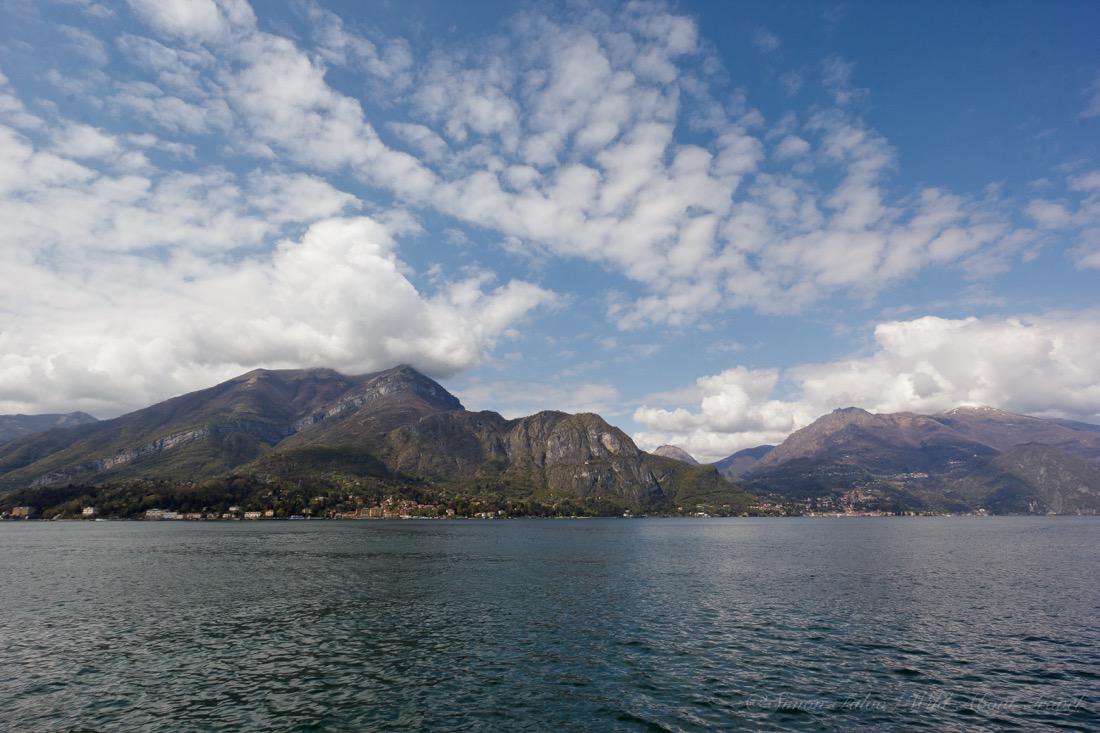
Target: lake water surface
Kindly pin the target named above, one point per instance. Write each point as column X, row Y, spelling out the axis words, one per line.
column 938, row 624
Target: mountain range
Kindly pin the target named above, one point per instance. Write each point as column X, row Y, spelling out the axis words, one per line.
column 292, row 437
column 19, row 426
column 390, row 431
column 967, row 458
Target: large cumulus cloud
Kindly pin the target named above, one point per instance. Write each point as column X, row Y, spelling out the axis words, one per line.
column 1043, row 365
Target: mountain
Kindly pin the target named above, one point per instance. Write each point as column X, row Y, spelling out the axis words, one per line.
column 963, row 459
column 676, row 453
column 317, row 440
column 20, row 426
column 902, row 442
column 739, row 463
column 1035, row 478
column 1003, row 430
column 548, row 455
column 208, row 432
column 391, row 431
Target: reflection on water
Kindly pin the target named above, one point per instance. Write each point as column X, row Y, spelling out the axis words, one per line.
column 784, row 624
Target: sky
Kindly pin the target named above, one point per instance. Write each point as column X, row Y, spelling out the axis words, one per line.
column 710, row 222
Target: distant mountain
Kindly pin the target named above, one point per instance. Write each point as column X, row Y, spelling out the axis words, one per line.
column 889, row 443
column 1003, row 430
column 1035, row 479
column 739, row 463
column 963, row 459
column 315, row 438
column 396, row 429
column 20, row 426
column 676, row 453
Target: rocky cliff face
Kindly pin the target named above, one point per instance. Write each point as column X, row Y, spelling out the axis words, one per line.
column 549, row 453
column 377, row 404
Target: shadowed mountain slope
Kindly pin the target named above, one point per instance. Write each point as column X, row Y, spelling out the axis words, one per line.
column 20, row 426
column 741, row 462
column 1035, row 479
column 207, row 432
column 1003, row 430
column 963, row 459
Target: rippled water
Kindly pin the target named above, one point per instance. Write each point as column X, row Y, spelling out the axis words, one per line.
column 781, row 624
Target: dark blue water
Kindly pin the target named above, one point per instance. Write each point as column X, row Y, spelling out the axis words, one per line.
column 771, row 624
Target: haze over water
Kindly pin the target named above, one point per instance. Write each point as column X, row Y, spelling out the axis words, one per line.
column 785, row 624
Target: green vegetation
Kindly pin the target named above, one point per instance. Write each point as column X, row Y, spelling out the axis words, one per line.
column 316, row 498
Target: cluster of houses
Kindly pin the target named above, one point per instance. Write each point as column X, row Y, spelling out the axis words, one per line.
column 395, row 509
column 234, row 512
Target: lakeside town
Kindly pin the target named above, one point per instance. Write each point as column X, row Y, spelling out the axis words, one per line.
column 397, row 508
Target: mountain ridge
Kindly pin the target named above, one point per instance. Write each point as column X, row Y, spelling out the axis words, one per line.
column 20, row 426
column 396, row 427
column 737, row 464
column 961, row 459
column 397, row 430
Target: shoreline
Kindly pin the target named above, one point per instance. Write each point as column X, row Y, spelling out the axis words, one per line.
column 76, row 520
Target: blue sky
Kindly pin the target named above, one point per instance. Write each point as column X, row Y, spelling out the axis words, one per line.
column 711, row 222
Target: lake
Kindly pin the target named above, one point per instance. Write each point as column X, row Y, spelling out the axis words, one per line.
column 944, row 624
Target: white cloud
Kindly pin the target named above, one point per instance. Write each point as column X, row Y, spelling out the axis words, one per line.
column 173, row 114
column 85, row 141
column 791, row 81
column 430, row 145
column 1089, row 181
column 837, row 77
column 12, row 109
column 515, row 399
column 139, row 329
column 85, row 43
column 1078, row 216
column 791, row 146
column 50, row 202
column 177, row 69
column 389, row 61
column 204, row 20
column 1031, row 364
column 93, row 9
column 1049, row 214
column 129, row 288
column 562, row 138
column 765, row 40
column 1091, row 94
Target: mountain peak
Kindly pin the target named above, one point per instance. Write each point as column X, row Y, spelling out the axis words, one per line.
column 17, row 426
column 675, row 452
column 406, row 378
column 981, row 411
